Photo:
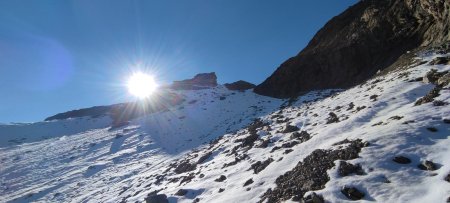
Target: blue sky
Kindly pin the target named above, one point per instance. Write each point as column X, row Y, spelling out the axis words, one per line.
column 57, row 55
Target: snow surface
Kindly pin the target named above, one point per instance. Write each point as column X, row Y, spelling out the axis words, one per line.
column 84, row 160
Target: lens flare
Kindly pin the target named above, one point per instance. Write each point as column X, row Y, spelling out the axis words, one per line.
column 141, row 85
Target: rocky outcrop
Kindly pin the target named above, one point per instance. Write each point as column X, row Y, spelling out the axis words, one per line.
column 354, row 45
column 200, row 81
column 239, row 85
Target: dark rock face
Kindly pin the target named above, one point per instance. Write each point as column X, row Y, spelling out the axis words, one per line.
column 311, row 173
column 239, row 85
column 200, row 81
column 353, row 46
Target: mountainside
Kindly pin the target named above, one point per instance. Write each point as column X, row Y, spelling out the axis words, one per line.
column 353, row 46
column 386, row 140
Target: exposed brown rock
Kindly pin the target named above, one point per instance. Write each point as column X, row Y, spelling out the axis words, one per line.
column 200, row 81
column 353, row 46
column 239, row 85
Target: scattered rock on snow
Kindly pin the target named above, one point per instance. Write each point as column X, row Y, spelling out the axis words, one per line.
column 427, row 165
column 248, row 182
column 204, row 157
column 221, row 178
column 302, row 136
column 259, row 166
column 290, row 128
column 432, row 129
column 346, row 169
column 181, row 192
column 332, row 118
column 312, row 198
column 432, row 76
column 396, row 117
column 401, row 160
column 441, row 61
column 221, row 190
column 429, row 97
column 447, row 178
column 444, row 80
column 311, row 173
column 184, row 166
column 154, row 198
column 352, row 193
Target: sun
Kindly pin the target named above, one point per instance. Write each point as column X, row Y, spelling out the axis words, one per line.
column 141, row 85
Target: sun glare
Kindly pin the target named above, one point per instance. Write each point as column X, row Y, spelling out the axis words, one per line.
column 141, row 85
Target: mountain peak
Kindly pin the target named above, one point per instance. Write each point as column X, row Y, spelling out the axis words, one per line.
column 354, row 45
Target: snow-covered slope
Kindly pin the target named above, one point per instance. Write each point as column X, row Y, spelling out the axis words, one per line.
column 207, row 147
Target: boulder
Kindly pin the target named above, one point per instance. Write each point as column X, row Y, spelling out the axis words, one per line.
column 221, row 178
column 346, row 169
column 427, row 166
column 181, row 192
column 444, row 80
column 248, row 182
column 302, row 136
column 290, row 128
column 332, row 118
column 352, row 193
column 401, row 160
column 156, row 198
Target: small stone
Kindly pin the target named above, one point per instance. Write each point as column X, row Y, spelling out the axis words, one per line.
column 447, row 178
column 221, row 178
column 332, row 118
column 352, row 193
column 432, row 129
column 401, row 160
column 248, row 182
column 427, row 165
column 287, row 151
column 221, row 190
column 181, row 192
column 313, row 198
